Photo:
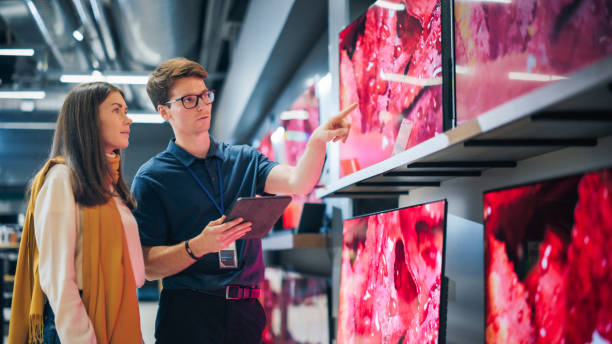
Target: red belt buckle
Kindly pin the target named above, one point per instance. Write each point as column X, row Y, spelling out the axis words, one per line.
column 238, row 292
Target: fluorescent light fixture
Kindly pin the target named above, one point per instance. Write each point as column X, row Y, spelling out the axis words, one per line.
column 128, row 79
column 146, row 117
column 294, row 114
column 390, row 5
column 95, row 76
column 28, row 125
column 16, row 52
column 22, row 94
column 534, row 77
column 410, row 79
column 27, row 106
column 78, row 35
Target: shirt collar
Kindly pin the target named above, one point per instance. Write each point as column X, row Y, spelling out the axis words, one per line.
column 187, row 158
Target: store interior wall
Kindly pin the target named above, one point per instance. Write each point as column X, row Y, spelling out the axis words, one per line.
column 465, row 239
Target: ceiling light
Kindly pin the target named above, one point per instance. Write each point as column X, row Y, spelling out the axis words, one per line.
column 28, row 125
column 78, row 35
column 294, row 114
column 16, row 52
column 146, row 117
column 22, row 94
column 121, row 79
column 128, row 79
column 410, row 79
column 390, row 5
column 534, row 77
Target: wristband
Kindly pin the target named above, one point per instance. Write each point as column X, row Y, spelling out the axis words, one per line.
column 189, row 251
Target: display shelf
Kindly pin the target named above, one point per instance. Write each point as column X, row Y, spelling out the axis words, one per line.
column 288, row 240
column 575, row 112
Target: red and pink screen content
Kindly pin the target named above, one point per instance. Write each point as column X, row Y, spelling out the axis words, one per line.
column 305, row 109
column 505, row 49
column 391, row 65
column 548, row 254
column 391, row 276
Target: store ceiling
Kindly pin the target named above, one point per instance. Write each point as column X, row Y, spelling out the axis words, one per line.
column 129, row 38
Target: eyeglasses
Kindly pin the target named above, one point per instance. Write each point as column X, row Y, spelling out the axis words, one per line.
column 190, row 101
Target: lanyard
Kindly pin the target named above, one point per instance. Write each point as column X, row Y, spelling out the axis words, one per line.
column 220, row 208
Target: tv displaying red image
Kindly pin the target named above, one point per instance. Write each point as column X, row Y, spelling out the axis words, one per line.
column 391, row 276
column 514, row 47
column 296, row 308
column 391, row 65
column 299, row 122
column 548, row 248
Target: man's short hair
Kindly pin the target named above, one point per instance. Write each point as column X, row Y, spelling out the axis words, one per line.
column 162, row 79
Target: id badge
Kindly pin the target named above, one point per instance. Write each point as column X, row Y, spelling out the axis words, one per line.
column 228, row 258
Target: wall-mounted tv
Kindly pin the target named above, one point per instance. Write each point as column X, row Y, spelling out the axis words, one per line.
column 297, row 308
column 548, row 248
column 391, row 64
column 299, row 122
column 505, row 49
column 391, row 276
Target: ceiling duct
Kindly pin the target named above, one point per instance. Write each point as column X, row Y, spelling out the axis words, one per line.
column 151, row 31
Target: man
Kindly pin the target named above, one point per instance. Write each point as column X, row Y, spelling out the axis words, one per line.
column 182, row 195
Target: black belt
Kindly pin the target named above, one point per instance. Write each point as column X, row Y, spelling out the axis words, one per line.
column 235, row 292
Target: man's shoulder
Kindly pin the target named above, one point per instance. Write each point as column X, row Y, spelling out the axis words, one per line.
column 156, row 165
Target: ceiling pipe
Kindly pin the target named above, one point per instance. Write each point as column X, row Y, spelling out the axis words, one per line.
column 42, row 27
column 91, row 35
column 210, row 51
column 100, row 18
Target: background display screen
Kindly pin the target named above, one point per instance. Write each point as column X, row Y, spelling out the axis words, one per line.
column 547, row 261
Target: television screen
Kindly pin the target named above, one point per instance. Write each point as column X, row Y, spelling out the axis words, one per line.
column 391, row 64
column 548, row 248
column 299, row 122
column 296, row 307
column 514, row 47
column 391, row 276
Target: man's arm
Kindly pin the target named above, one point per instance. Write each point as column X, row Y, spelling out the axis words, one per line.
column 302, row 178
column 163, row 261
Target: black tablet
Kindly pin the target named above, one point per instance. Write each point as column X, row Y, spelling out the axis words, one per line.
column 263, row 212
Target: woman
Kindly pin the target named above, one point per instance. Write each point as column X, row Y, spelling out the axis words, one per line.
column 80, row 259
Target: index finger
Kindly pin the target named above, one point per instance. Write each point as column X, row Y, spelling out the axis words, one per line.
column 346, row 111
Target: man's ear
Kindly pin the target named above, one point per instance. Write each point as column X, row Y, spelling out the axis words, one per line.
column 163, row 111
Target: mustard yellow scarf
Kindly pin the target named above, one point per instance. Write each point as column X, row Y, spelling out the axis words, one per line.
column 109, row 289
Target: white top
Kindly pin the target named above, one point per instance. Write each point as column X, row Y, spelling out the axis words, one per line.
column 60, row 254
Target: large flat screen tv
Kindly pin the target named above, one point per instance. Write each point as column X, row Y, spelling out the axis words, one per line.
column 299, row 122
column 391, row 64
column 548, row 254
column 296, row 307
column 391, row 276
column 505, row 49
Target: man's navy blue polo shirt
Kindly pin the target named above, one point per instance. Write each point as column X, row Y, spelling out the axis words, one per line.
column 172, row 207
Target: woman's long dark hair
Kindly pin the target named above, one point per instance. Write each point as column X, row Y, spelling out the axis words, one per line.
column 78, row 138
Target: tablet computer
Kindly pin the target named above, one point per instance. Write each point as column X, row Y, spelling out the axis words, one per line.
column 262, row 212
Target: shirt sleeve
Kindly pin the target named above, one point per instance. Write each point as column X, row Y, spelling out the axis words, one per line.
column 264, row 166
column 55, row 226
column 149, row 213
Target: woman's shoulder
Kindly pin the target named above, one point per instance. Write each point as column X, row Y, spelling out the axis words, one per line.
column 58, row 172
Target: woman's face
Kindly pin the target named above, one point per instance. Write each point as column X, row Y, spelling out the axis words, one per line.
column 114, row 122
